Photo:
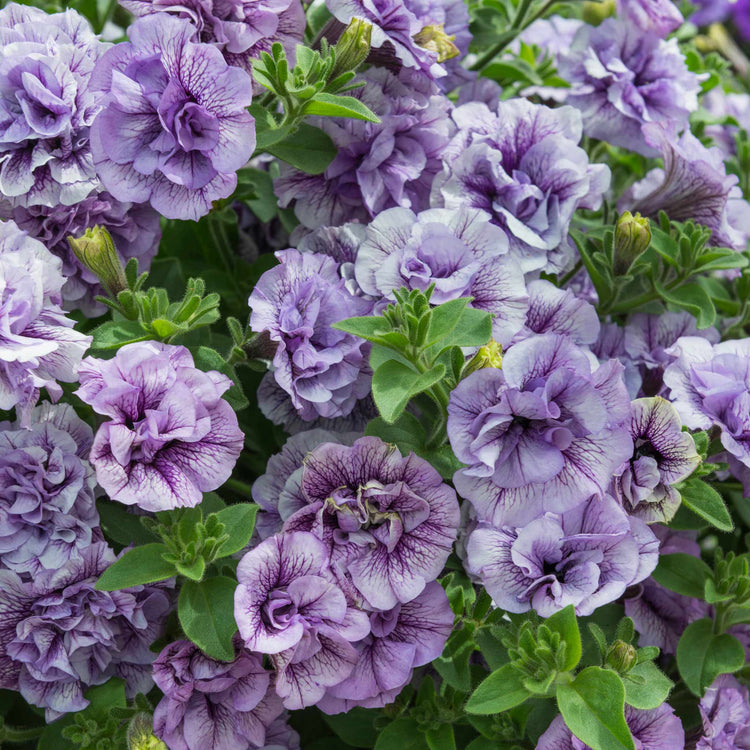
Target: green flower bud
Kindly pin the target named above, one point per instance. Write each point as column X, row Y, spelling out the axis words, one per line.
column 436, row 40
column 595, row 13
column 352, row 47
column 621, row 657
column 141, row 734
column 490, row 355
column 96, row 250
column 632, row 238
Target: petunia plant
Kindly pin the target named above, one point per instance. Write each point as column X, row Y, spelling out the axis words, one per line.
column 374, row 374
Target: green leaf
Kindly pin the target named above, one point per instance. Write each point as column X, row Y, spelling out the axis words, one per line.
column 394, row 384
column 444, row 319
column 502, row 690
column 706, row 502
column 564, row 622
column 406, row 432
column 139, row 565
column 593, row 707
column 650, row 693
column 702, row 655
column 402, row 734
column 474, row 328
column 120, row 526
column 114, row 334
column 693, row 299
column 106, row 696
column 333, row 105
column 206, row 613
column 239, row 522
column 441, row 738
column 356, row 726
column 194, row 571
column 309, row 149
column 369, row 327
column 683, row 574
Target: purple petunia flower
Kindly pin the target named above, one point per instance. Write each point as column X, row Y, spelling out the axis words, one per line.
column 342, row 244
column 523, row 166
column 46, row 106
column 553, row 310
column 402, row 638
column 542, row 434
column 622, row 78
column 710, row 385
column 653, row 729
column 174, row 127
column 710, row 11
column 38, row 344
column 60, row 635
column 135, row 230
column 47, row 510
column 660, row 16
column 241, row 29
column 278, row 492
column 661, row 615
column 170, row 436
column 587, row 557
column 287, row 605
column 280, row 736
column 323, row 370
column 663, row 456
column 459, row 251
column 277, row 407
column 388, row 522
column 647, row 341
column 212, row 704
column 377, row 165
column 694, row 184
column 725, row 711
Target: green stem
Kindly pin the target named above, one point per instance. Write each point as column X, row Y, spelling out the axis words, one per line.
column 516, row 27
column 722, row 611
column 241, row 488
column 13, row 734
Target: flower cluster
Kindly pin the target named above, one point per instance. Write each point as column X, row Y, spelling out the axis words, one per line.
column 170, row 436
column 344, row 597
column 173, row 127
column 59, row 635
column 47, row 511
column 213, row 704
column 483, row 371
column 47, row 106
column 38, row 344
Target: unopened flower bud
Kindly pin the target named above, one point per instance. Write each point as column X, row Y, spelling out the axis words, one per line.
column 352, row 47
column 490, row 355
column 435, row 39
column 141, row 734
column 622, row 657
column 595, row 13
column 96, row 250
column 632, row 238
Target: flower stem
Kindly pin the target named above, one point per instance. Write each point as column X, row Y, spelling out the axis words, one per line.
column 16, row 735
